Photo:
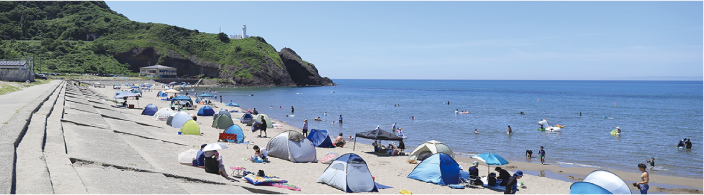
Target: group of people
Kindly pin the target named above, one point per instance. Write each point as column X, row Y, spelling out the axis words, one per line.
column 457, row 111
column 504, row 178
column 686, row 143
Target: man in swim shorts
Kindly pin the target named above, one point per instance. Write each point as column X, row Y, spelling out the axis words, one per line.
column 542, row 155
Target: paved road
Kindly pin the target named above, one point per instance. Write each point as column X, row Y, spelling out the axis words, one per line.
column 9, row 103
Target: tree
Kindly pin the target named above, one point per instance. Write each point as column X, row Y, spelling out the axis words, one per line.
column 223, row 37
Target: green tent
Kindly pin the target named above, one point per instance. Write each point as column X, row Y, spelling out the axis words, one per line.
column 223, row 122
column 258, row 118
column 190, row 128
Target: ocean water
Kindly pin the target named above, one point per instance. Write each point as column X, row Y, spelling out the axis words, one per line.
column 653, row 116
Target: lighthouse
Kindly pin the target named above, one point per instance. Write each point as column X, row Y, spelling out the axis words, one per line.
column 244, row 31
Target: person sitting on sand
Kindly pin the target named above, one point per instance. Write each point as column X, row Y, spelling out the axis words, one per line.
column 213, row 163
column 474, row 170
column 503, row 176
column 200, row 157
column 390, row 149
column 339, row 141
column 261, row 153
column 512, row 185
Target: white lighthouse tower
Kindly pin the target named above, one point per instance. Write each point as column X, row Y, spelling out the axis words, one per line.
column 244, row 31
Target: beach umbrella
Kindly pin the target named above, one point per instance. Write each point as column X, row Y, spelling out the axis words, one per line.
column 491, row 159
column 171, row 91
column 187, row 157
column 232, row 104
column 214, row 146
column 600, row 182
column 125, row 94
column 205, row 95
column 116, row 84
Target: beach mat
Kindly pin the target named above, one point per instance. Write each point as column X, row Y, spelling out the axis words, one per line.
column 379, row 186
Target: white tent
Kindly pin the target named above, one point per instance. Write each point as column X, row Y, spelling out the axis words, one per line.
column 429, row 148
column 163, row 114
column 600, row 182
column 292, row 146
column 349, row 173
column 180, row 118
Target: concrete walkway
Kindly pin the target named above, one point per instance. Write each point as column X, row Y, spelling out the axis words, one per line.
column 14, row 101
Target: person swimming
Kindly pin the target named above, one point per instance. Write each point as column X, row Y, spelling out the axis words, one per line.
column 318, row 119
column 475, row 131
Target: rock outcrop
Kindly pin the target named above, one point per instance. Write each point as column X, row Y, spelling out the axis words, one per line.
column 301, row 72
column 191, row 66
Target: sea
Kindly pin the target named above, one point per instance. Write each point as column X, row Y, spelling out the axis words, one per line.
column 653, row 117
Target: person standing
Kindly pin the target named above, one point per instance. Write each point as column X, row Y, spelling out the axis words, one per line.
column 509, row 130
column 220, row 99
column 456, row 111
column 292, row 109
column 340, row 119
column 644, row 180
column 305, row 127
column 262, row 127
column 512, row 185
column 542, row 155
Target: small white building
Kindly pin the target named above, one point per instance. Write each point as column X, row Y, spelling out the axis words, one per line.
column 244, row 33
column 157, row 71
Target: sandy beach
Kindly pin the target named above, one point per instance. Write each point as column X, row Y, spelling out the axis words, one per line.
column 388, row 170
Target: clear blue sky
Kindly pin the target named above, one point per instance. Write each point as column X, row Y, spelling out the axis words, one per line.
column 461, row 40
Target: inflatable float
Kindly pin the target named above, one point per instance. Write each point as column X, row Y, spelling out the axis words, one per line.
column 547, row 127
column 615, row 132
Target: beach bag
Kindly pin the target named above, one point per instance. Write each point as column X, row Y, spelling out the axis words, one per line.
column 211, row 165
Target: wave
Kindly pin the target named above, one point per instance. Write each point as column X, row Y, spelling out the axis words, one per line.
column 577, row 164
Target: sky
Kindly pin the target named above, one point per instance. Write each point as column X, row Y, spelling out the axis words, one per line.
column 461, row 40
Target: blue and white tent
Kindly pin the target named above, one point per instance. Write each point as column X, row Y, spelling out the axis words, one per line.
column 439, row 169
column 150, row 110
column 320, row 138
column 206, row 111
column 600, row 182
column 237, row 130
column 246, row 118
column 349, row 173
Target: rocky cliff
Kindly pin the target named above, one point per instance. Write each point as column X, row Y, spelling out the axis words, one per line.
column 301, row 72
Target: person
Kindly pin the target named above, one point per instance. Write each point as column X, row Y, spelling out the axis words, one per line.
column 680, row 144
column 393, row 127
column 318, row 119
column 491, row 179
column 292, row 109
column 509, row 130
column 512, row 185
column 261, row 153
column 618, row 130
column 220, row 99
column 188, row 104
column 400, row 133
column 340, row 119
column 305, row 127
column 456, row 111
column 580, row 113
column 213, row 163
column 644, row 180
column 254, row 111
column 474, row 170
column 200, row 157
column 401, row 147
column 390, row 149
column 339, row 141
column 651, row 162
column 542, row 155
column 376, row 146
column 448, row 103
column 413, row 118
column 688, row 144
column 503, row 176
column 350, row 138
column 281, row 107
column 262, row 127
column 475, row 131
column 124, row 103
column 523, row 112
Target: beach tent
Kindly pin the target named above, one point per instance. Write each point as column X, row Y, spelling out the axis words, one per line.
column 237, row 130
column 190, row 127
column 439, row 169
column 150, row 110
column 258, row 118
column 198, row 100
column 600, row 182
column 292, row 146
column 320, row 138
column 182, row 98
column 429, row 148
column 170, row 119
column 222, row 122
column 376, row 134
column 206, row 111
column 179, row 119
column 232, row 104
column 246, row 118
column 163, row 114
column 205, row 95
column 349, row 173
column 222, row 112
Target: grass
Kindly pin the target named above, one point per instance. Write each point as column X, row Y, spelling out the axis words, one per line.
column 5, row 89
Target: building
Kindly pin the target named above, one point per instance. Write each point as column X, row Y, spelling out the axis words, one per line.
column 13, row 65
column 157, row 71
column 244, row 33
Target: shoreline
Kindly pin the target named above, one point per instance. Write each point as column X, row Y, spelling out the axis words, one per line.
column 392, row 170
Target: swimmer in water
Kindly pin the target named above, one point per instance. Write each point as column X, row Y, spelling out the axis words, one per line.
column 475, row 131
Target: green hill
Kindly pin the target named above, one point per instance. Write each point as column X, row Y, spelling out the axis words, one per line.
column 58, row 32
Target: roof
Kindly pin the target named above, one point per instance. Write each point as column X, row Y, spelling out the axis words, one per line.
column 13, row 63
column 160, row 67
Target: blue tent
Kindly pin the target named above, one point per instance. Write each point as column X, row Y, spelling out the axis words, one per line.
column 237, row 130
column 320, row 138
column 198, row 100
column 600, row 182
column 246, row 118
column 206, row 111
column 349, row 173
column 232, row 104
column 205, row 95
column 150, row 110
column 439, row 169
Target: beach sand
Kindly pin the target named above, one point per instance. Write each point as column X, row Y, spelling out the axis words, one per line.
column 388, row 170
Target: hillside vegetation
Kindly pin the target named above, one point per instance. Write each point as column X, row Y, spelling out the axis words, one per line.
column 43, row 29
